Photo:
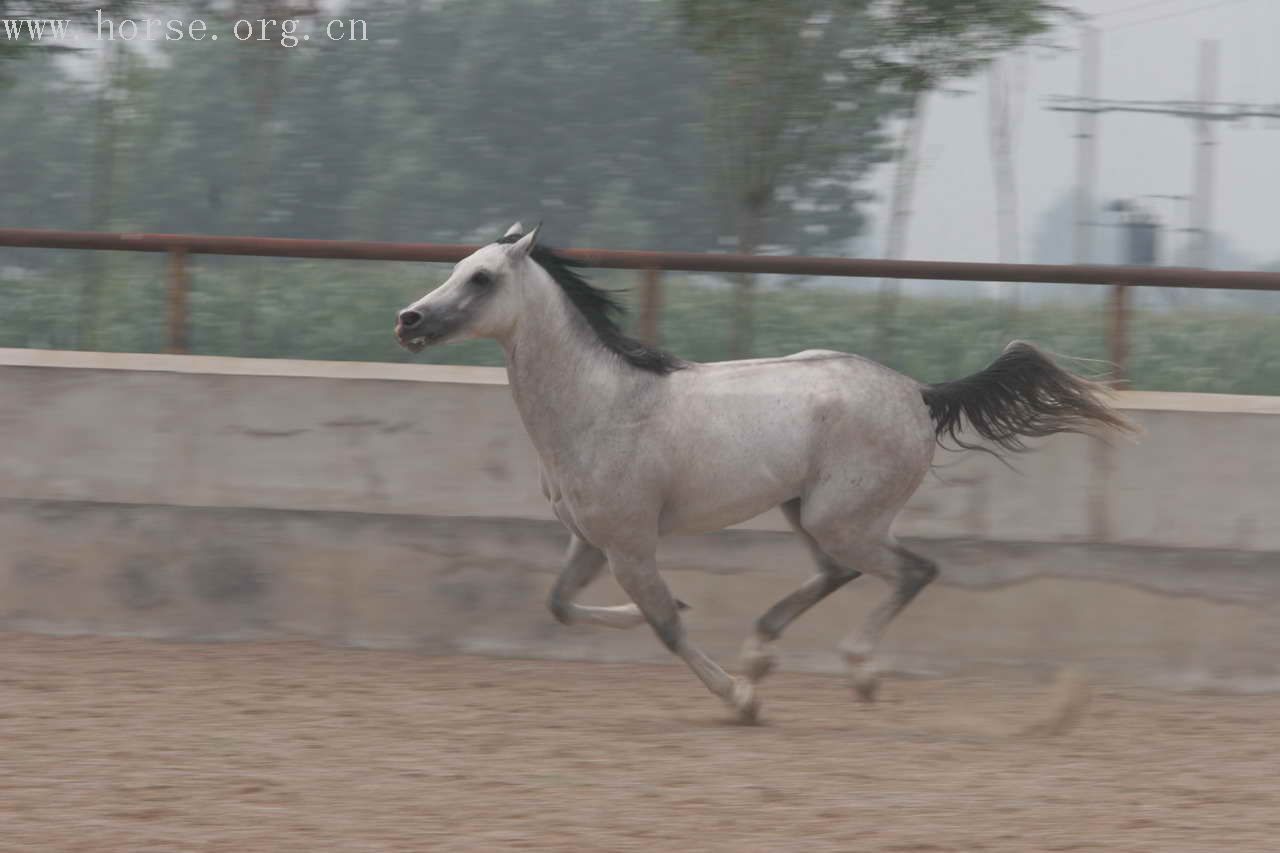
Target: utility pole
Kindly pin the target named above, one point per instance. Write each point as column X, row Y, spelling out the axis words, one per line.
column 1006, row 79
column 1203, row 112
column 1086, row 144
column 1003, row 80
column 900, row 216
column 1202, row 181
column 904, row 185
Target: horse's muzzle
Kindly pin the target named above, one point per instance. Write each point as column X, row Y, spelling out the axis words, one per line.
column 411, row 330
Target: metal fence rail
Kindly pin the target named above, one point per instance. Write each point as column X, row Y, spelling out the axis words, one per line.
column 180, row 246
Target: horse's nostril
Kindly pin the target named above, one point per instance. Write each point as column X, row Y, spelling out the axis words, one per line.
column 409, row 319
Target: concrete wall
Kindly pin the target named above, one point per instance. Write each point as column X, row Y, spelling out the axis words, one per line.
column 399, row 505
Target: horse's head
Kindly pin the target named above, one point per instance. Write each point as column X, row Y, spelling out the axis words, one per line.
column 480, row 299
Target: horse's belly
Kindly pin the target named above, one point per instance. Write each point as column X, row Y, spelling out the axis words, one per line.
column 715, row 505
column 717, row 518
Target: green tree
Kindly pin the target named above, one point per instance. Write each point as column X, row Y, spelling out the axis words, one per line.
column 555, row 108
column 794, row 122
column 923, row 43
column 462, row 117
column 802, row 92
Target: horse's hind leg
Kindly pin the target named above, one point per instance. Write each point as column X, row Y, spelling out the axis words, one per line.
column 581, row 566
column 637, row 573
column 757, row 657
column 909, row 573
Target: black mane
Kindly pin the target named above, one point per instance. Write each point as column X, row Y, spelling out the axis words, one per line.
column 601, row 309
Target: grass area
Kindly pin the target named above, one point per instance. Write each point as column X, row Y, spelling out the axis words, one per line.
column 344, row 311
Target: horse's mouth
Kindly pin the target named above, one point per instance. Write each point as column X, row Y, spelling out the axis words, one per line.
column 412, row 344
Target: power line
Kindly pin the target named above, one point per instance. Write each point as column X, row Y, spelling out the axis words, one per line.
column 1203, row 110
column 1135, row 7
column 1178, row 14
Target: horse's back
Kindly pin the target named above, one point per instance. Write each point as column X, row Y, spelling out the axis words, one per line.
column 829, row 381
column 748, row 435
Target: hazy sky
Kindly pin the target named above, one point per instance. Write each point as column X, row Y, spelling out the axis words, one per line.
column 1142, row 58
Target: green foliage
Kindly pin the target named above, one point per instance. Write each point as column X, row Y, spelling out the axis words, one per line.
column 801, row 90
column 922, row 43
column 795, row 121
column 1219, row 351
column 455, row 119
column 343, row 142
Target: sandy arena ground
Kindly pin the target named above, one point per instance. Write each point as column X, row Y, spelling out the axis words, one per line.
column 130, row 745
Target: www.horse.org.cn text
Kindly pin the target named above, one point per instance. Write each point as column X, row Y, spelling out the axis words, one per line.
column 287, row 32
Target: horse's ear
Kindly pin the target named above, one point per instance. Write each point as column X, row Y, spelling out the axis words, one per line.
column 525, row 244
column 516, row 229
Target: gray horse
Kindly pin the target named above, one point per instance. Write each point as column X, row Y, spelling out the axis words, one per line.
column 636, row 443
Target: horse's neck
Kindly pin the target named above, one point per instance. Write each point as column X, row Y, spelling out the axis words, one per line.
column 564, row 385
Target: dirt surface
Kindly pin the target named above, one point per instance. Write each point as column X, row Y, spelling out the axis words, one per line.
column 130, row 745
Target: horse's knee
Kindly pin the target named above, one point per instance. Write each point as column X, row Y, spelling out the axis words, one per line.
column 926, row 571
column 916, row 571
column 560, row 609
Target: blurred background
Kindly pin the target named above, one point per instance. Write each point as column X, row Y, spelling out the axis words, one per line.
column 916, row 128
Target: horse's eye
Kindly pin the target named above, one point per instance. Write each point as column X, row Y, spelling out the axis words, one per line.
column 481, row 279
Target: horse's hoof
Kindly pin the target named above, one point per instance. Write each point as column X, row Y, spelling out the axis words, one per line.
column 745, row 704
column 866, row 686
column 757, row 661
column 864, row 676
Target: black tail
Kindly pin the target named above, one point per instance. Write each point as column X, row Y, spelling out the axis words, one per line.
column 1022, row 394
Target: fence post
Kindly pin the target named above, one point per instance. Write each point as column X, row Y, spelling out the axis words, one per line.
column 650, row 305
column 177, row 291
column 1118, row 340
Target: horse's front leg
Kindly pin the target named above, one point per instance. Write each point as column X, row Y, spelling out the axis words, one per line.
column 637, row 573
column 581, row 566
